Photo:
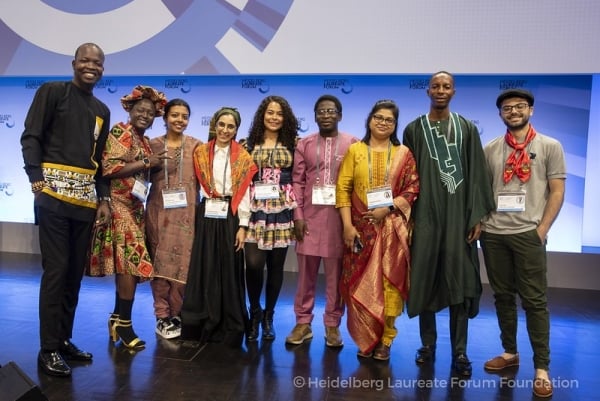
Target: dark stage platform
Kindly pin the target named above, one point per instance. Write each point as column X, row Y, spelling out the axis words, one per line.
column 170, row 370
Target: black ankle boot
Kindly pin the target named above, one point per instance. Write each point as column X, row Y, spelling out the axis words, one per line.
column 256, row 316
column 267, row 326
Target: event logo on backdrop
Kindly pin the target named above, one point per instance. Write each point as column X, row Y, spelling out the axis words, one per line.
column 131, row 36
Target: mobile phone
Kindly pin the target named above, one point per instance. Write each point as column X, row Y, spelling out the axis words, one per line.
column 358, row 245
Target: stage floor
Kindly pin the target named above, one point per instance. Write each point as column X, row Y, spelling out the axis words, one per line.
column 170, row 370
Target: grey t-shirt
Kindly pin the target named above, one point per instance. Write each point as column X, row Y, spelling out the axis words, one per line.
column 548, row 162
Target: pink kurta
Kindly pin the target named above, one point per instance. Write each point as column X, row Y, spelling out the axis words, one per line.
column 324, row 224
column 316, row 162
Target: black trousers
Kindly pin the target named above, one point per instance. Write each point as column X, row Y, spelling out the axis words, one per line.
column 63, row 243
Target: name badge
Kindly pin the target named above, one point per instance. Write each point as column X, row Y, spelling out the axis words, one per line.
column 380, row 197
column 216, row 208
column 140, row 190
column 323, row 195
column 263, row 190
column 511, row 201
column 173, row 198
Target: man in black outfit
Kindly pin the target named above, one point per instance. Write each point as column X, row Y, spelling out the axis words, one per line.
column 65, row 132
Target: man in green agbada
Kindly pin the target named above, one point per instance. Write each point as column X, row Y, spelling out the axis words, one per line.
column 455, row 195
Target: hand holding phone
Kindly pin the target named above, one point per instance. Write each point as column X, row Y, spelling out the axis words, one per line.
column 358, row 245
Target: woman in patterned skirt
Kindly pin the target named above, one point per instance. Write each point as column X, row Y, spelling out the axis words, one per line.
column 271, row 142
column 121, row 247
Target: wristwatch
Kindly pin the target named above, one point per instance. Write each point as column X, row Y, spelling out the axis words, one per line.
column 146, row 162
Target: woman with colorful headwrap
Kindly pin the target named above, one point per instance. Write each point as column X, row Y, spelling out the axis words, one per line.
column 120, row 247
column 214, row 305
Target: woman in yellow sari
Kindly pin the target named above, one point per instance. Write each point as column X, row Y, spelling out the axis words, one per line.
column 377, row 186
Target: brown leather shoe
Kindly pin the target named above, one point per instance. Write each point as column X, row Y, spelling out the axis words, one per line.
column 361, row 354
column 542, row 388
column 499, row 363
column 381, row 352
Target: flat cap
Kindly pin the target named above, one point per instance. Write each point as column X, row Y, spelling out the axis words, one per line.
column 521, row 93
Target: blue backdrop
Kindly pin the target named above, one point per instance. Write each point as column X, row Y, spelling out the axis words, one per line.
column 564, row 108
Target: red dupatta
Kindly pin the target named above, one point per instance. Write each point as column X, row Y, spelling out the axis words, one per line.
column 242, row 170
column 385, row 255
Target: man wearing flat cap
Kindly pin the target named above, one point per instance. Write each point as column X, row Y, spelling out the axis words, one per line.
column 528, row 176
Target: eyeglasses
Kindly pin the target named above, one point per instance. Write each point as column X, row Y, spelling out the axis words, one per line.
column 519, row 107
column 381, row 119
column 327, row 112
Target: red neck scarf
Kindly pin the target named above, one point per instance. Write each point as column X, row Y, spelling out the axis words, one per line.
column 518, row 161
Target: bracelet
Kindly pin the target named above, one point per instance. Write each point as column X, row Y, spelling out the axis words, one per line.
column 37, row 186
column 104, row 198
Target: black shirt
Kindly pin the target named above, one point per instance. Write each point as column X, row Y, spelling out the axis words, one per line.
column 60, row 128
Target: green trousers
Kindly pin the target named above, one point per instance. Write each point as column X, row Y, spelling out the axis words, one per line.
column 516, row 264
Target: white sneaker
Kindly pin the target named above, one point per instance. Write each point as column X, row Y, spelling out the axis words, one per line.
column 166, row 329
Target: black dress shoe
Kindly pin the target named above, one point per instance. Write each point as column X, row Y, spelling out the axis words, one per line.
column 53, row 364
column 70, row 351
column 462, row 366
column 425, row 354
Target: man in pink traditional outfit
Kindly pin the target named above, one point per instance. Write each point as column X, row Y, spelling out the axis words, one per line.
column 318, row 227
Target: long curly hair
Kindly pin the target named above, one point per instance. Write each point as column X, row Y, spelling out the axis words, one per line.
column 288, row 133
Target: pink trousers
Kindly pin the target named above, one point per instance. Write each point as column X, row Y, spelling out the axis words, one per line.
column 168, row 297
column 304, row 302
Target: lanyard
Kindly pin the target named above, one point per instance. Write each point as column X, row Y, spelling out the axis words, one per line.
column 337, row 143
column 212, row 175
column 146, row 152
column 179, row 165
column 387, row 166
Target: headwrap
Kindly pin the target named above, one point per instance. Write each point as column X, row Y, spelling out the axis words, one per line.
column 212, row 127
column 145, row 92
column 518, row 161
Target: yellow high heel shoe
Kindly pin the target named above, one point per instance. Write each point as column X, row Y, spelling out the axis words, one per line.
column 127, row 335
column 112, row 333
